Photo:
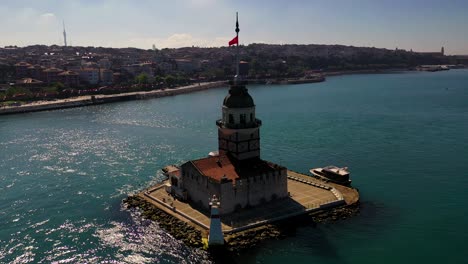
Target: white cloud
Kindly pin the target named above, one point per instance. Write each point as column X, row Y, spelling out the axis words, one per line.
column 47, row 19
column 47, row 15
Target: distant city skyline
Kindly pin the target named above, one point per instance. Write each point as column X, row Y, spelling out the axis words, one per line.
column 417, row 25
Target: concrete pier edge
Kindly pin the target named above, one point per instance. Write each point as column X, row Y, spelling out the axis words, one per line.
column 266, row 228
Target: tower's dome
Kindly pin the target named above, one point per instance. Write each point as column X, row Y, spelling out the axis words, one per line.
column 238, row 97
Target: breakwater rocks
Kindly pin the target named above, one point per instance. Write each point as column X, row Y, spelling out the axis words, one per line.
column 339, row 213
column 250, row 238
column 177, row 228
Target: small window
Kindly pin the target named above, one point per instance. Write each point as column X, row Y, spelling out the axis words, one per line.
column 242, row 118
column 231, row 119
column 251, row 117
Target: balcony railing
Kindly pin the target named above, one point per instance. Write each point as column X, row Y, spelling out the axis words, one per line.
column 255, row 123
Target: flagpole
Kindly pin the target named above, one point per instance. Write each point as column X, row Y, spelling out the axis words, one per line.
column 237, row 47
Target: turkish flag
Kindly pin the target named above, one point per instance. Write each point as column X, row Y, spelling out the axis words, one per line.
column 234, row 41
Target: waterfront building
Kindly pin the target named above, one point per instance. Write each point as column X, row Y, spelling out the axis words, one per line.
column 36, row 72
column 116, row 77
column 104, row 63
column 69, row 78
column 166, row 67
column 140, row 68
column 107, row 76
column 89, row 75
column 47, row 63
column 29, row 83
column 434, row 53
column 21, row 69
column 89, row 65
column 185, row 65
column 461, row 59
column 51, row 75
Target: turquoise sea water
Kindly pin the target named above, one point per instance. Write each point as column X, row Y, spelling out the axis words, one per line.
column 404, row 137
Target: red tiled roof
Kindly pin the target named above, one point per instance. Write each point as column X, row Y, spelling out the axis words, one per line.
column 22, row 64
column 28, row 80
column 68, row 73
column 36, row 67
column 52, row 70
column 88, row 70
column 218, row 167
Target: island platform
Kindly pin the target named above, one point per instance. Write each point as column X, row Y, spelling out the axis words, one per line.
column 307, row 195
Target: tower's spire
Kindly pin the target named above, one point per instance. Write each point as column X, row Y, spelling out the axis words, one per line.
column 64, row 34
column 237, row 77
column 237, row 24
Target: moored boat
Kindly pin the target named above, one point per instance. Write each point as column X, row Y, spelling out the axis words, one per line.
column 332, row 174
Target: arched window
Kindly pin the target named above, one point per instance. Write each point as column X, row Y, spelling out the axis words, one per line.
column 242, row 118
column 251, row 117
column 231, row 119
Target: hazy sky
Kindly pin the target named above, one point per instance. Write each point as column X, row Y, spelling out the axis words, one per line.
column 419, row 25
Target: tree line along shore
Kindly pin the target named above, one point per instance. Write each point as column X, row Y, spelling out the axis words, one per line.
column 31, row 102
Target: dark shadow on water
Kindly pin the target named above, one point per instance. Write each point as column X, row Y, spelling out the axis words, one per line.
column 292, row 229
column 304, row 236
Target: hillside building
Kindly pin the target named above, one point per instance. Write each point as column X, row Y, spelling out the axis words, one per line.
column 89, row 76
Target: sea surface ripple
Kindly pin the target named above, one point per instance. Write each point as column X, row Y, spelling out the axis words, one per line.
column 63, row 174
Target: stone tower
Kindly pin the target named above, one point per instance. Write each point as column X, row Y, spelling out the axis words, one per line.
column 239, row 129
column 237, row 175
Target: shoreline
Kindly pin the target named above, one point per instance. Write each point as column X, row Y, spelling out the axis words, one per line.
column 373, row 71
column 88, row 100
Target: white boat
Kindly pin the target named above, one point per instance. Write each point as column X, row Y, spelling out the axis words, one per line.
column 333, row 174
column 213, row 153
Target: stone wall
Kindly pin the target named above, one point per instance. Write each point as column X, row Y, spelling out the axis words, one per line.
column 199, row 188
column 253, row 191
column 242, row 193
